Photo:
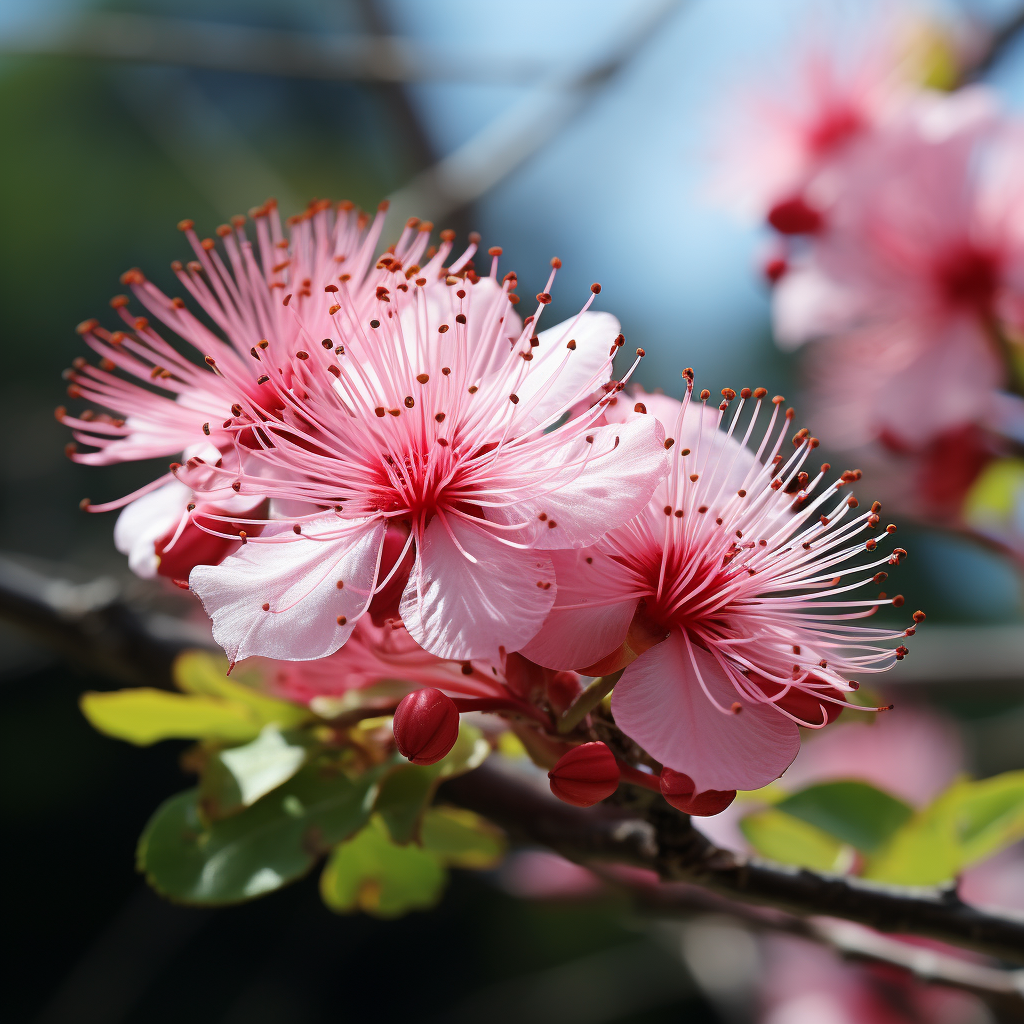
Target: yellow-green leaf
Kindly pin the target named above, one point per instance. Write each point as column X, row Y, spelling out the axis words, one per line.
column 144, row 715
column 201, row 672
column 371, row 873
column 781, row 837
column 462, row 839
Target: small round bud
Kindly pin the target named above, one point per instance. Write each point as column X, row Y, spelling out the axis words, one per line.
column 585, row 775
column 678, row 789
column 426, row 726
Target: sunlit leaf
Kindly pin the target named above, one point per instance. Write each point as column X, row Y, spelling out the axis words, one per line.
column 994, row 496
column 852, row 811
column 202, row 672
column 789, row 840
column 239, row 776
column 462, row 839
column 371, row 873
column 967, row 823
column 273, row 842
column 408, row 790
column 144, row 715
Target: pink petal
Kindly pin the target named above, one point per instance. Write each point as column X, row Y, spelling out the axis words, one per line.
column 571, row 374
column 605, row 483
column 298, row 579
column 659, row 703
column 578, row 637
column 144, row 521
column 459, row 609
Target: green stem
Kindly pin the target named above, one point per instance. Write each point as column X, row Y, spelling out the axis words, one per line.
column 587, row 701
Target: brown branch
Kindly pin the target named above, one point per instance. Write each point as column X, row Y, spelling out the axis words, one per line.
column 1003, row 989
column 651, row 835
column 95, row 628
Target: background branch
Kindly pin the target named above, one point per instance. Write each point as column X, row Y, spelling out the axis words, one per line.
column 94, row 628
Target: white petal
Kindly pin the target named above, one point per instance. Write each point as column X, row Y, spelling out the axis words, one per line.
column 298, row 579
column 460, row 609
column 144, row 521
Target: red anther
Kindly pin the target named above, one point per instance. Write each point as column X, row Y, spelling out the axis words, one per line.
column 678, row 789
column 186, row 225
column 639, row 407
column 728, row 394
column 876, row 507
column 426, row 725
column 447, row 235
column 745, row 394
column 84, row 504
column 775, row 269
column 879, row 577
column 640, row 352
column 543, row 298
column 852, row 501
column 86, row 326
column 891, row 528
column 778, row 399
column 474, row 237
column 620, row 340
column 382, row 206
column 556, row 263
column 585, row 775
column 795, row 216
column 705, row 395
column 595, row 288
column 919, row 616
column 208, row 244
column 496, row 250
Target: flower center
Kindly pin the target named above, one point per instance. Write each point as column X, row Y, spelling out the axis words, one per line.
column 968, row 277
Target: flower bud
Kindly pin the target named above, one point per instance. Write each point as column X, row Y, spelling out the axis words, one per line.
column 585, row 775
column 562, row 688
column 426, row 726
column 678, row 790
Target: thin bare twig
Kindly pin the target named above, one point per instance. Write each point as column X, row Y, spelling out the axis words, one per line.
column 151, row 39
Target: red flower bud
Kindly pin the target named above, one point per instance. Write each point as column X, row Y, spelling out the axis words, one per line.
column 585, row 775
column 426, row 726
column 562, row 689
column 795, row 217
column 678, row 790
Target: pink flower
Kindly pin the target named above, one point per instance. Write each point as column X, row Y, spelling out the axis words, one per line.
column 399, row 418
column 786, row 140
column 737, row 572
column 914, row 279
column 416, row 448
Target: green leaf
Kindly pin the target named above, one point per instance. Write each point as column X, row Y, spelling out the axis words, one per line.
column 144, row 715
column 267, row 845
column 201, row 672
column 967, row 823
column 989, row 816
column 373, row 874
column 408, row 790
column 462, row 839
column 238, row 777
column 852, row 811
column 789, row 840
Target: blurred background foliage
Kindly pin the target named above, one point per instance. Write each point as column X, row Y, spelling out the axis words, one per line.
column 99, row 160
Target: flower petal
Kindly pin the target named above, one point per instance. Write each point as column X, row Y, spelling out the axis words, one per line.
column 559, row 376
column 299, row 580
column 144, row 521
column 659, row 703
column 460, row 609
column 603, row 483
column 577, row 637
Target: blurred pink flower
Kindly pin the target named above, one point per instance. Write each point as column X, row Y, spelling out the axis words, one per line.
column 726, row 587
column 914, row 278
column 417, row 448
column 785, row 141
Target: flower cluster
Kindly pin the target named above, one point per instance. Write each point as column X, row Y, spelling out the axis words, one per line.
column 897, row 212
column 413, row 500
